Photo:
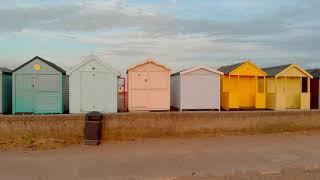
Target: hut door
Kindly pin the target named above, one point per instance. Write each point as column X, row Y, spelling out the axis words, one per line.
column 247, row 92
column 100, row 91
column 47, row 97
column 140, row 90
column 158, row 94
column 86, row 91
column 314, row 86
column 293, row 86
column 25, row 91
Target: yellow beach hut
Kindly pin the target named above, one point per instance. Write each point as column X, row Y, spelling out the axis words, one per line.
column 243, row 86
column 288, row 87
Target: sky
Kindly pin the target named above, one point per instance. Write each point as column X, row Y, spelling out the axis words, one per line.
column 179, row 33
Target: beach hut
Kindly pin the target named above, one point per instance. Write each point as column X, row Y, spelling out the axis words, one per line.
column 288, row 87
column 39, row 87
column 5, row 90
column 314, row 89
column 149, row 87
column 243, row 86
column 93, row 86
column 197, row 88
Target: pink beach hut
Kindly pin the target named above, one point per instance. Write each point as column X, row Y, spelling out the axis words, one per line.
column 149, row 87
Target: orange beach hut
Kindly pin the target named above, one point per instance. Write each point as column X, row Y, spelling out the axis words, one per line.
column 243, row 86
column 149, row 87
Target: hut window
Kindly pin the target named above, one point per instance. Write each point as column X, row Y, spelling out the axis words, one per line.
column 261, row 85
column 304, row 84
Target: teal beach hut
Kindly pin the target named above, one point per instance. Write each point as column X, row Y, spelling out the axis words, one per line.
column 39, row 87
column 5, row 90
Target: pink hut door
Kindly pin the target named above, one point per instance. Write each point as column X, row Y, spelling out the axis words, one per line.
column 159, row 94
column 139, row 94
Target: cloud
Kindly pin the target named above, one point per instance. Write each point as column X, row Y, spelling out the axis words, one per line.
column 86, row 16
column 218, row 33
column 98, row 15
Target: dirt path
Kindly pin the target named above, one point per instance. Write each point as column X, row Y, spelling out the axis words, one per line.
column 164, row 158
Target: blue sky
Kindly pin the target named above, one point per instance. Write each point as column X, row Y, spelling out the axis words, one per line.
column 180, row 33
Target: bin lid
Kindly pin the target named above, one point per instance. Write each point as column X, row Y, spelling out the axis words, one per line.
column 94, row 113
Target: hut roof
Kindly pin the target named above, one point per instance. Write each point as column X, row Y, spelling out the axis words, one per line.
column 148, row 61
column 229, row 68
column 273, row 71
column 314, row 72
column 5, row 70
column 93, row 57
column 196, row 68
column 43, row 60
column 276, row 70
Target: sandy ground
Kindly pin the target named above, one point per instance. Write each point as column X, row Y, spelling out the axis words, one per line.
column 164, row 158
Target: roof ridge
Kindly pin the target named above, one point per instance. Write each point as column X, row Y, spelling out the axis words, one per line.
column 43, row 60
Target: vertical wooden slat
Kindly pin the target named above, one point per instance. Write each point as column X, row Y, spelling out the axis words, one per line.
column 264, row 84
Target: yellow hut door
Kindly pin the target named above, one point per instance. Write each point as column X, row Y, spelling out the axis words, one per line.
column 247, row 92
column 293, row 88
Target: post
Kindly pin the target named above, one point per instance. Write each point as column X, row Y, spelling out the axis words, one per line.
column 238, row 84
column 301, row 85
column 301, row 80
column 229, row 91
column 238, row 105
column 276, row 93
column 264, row 85
column 309, row 88
column 229, row 83
column 257, row 84
column 285, row 85
column 276, row 84
column 220, row 91
column 124, row 94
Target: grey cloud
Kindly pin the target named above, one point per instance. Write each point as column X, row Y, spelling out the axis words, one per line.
column 288, row 33
column 75, row 17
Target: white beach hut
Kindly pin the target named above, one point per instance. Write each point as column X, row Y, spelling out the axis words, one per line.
column 93, row 87
column 196, row 89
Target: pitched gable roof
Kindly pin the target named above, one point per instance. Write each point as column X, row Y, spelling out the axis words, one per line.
column 314, row 72
column 93, row 57
column 43, row 60
column 196, row 68
column 148, row 61
column 276, row 70
column 5, row 70
column 273, row 71
column 229, row 68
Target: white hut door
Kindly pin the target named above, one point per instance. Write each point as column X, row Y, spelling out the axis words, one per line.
column 86, row 91
column 99, row 91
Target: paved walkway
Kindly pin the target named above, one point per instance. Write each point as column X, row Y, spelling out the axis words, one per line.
column 164, row 158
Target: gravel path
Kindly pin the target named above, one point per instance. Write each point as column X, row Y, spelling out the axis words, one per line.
column 164, row 158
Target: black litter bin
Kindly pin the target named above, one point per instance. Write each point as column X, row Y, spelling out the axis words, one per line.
column 93, row 128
